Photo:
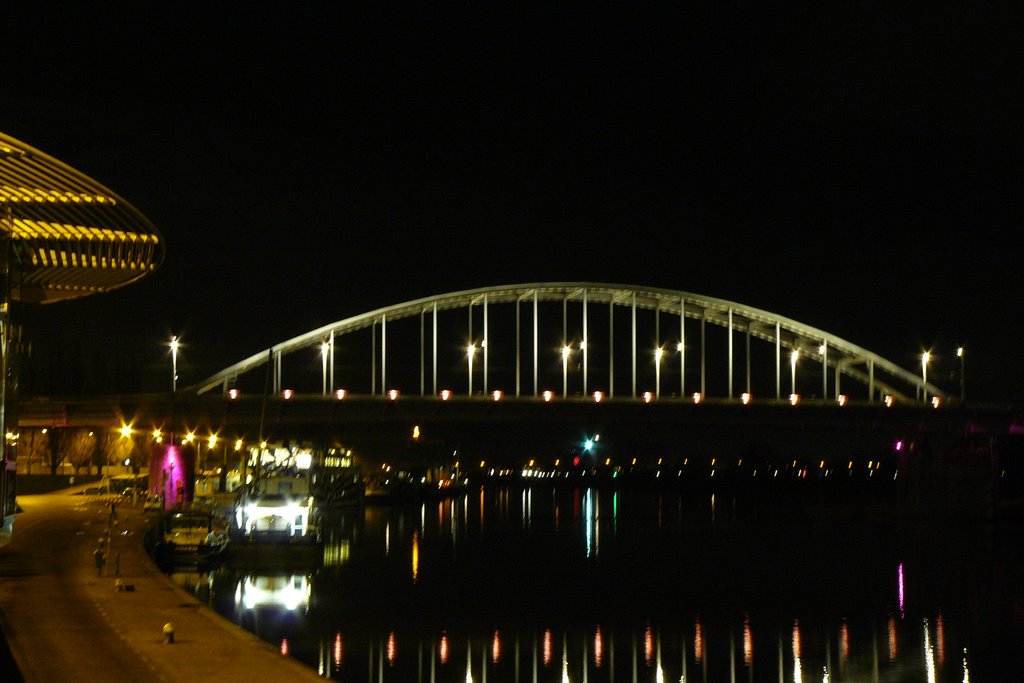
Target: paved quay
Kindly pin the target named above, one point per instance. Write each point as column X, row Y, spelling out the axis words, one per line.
column 64, row 620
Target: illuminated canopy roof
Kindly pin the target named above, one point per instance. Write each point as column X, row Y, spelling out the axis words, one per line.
column 69, row 235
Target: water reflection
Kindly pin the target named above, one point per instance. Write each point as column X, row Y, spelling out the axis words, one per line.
column 522, row 585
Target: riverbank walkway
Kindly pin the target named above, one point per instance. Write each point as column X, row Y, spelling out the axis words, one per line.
column 66, row 619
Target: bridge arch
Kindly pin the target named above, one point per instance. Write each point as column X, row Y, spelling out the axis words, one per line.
column 793, row 342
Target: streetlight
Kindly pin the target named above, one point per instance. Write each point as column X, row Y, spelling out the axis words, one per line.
column 470, row 352
column 658, row 353
column 174, row 363
column 960, row 355
column 566, row 350
column 925, row 357
column 792, row 364
column 325, row 349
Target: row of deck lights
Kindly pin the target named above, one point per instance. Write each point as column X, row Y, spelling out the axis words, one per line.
column 745, row 398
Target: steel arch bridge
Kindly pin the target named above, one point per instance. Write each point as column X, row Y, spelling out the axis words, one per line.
column 674, row 315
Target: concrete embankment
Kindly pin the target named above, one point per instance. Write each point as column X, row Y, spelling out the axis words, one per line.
column 66, row 618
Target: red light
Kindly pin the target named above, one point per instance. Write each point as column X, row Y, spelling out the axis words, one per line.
column 393, row 394
column 576, row 461
column 287, row 393
column 233, row 393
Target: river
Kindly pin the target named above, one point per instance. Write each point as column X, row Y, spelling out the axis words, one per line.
column 569, row 583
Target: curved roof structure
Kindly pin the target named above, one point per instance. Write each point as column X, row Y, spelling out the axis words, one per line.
column 70, row 236
column 871, row 369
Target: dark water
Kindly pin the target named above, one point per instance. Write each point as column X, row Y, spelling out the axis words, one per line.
column 555, row 584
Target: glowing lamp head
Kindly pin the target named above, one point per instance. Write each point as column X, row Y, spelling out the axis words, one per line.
column 445, row 394
column 566, row 350
column 238, row 444
column 393, row 394
column 648, row 397
column 598, row 396
column 287, row 393
column 340, row 394
column 232, row 394
column 126, row 431
column 548, row 394
column 212, row 441
column 745, row 398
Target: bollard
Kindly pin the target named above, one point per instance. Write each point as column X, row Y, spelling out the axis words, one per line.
column 168, row 632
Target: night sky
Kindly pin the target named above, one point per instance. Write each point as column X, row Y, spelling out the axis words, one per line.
column 857, row 169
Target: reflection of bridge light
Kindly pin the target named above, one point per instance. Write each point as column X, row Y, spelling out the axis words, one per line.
column 598, row 648
column 496, row 648
column 392, row 647
column 748, row 642
column 899, row 586
column 337, row 651
column 442, row 649
column 289, row 592
column 929, row 654
column 648, row 645
column 547, row 647
column 892, row 639
column 698, row 643
column 415, row 555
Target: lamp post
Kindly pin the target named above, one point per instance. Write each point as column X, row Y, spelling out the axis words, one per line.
column 792, row 365
column 682, row 369
column 960, row 355
column 925, row 357
column 658, row 353
column 324, row 351
column 470, row 352
column 566, row 350
column 174, row 363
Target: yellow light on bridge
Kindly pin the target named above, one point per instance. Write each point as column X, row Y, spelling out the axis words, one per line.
column 238, row 444
column 158, row 436
column 415, row 431
column 189, row 437
column 212, row 441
